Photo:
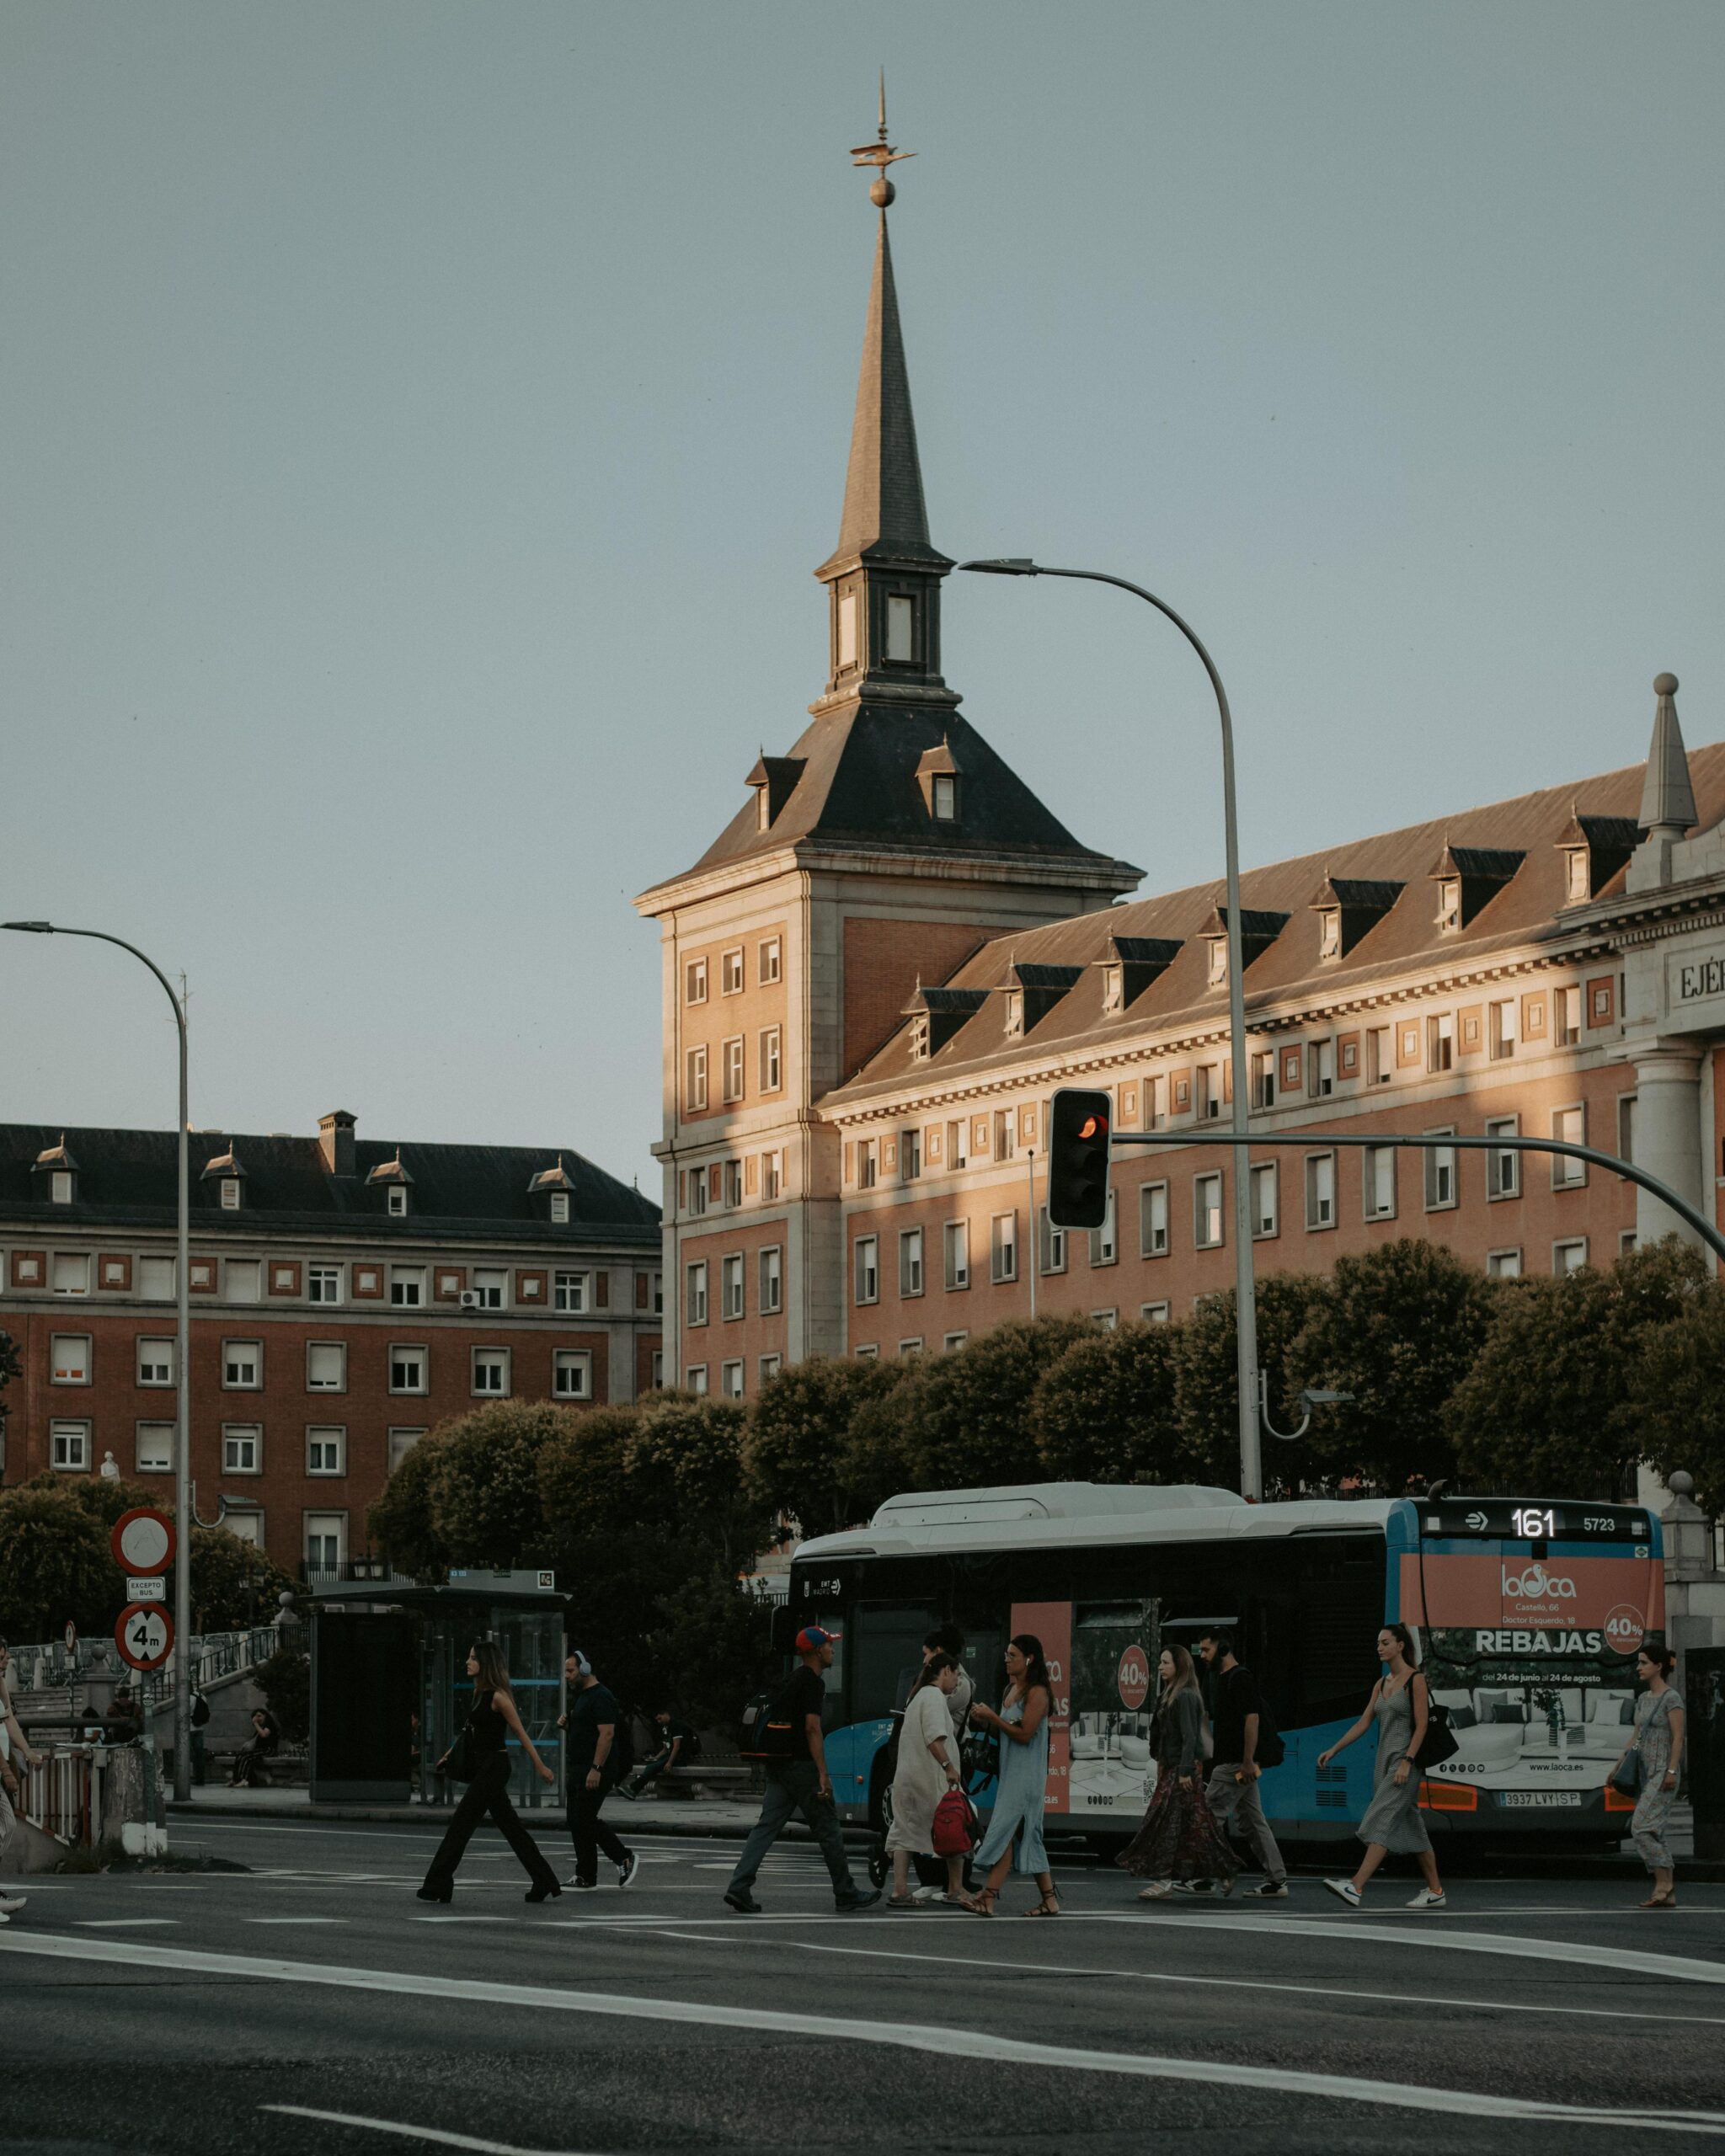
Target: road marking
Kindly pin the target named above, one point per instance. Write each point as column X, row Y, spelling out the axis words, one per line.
column 938, row 2042
column 466, row 1919
column 114, row 1924
column 414, row 2132
column 1225, row 1983
column 278, row 1920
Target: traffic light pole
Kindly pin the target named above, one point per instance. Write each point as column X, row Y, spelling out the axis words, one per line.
column 1706, row 1229
column 1245, row 1293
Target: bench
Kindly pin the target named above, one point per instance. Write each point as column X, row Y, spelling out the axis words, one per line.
column 289, row 1766
column 705, row 1778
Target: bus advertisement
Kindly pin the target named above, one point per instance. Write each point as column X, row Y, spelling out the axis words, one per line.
column 1527, row 1615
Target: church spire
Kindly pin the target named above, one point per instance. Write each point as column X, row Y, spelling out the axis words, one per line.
column 884, row 575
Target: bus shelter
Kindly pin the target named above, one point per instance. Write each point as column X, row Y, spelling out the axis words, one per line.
column 390, row 1689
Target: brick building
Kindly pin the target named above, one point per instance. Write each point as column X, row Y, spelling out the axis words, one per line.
column 345, row 1297
column 892, row 955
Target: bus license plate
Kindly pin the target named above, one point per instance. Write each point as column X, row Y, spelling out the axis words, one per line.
column 1542, row 1797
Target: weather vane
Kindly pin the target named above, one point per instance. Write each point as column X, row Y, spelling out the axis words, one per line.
column 880, row 154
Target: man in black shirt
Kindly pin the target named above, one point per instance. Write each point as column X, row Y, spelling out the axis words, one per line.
column 1232, row 1792
column 800, row 1783
column 676, row 1741
column 589, row 1722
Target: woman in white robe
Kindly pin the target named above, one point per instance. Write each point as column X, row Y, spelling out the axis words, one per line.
column 928, row 1767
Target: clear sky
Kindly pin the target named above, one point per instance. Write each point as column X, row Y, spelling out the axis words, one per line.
column 420, row 423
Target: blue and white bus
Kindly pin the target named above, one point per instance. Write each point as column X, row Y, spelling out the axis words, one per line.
column 1528, row 1612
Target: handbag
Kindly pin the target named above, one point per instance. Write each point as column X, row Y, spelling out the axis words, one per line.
column 980, row 1756
column 1439, row 1742
column 1630, row 1773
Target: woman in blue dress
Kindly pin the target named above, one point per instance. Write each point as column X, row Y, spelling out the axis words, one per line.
column 1015, row 1828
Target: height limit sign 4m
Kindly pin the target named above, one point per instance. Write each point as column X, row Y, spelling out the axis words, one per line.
column 143, row 1543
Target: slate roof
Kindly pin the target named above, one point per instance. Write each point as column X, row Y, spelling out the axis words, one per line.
column 127, row 1178
column 1526, row 910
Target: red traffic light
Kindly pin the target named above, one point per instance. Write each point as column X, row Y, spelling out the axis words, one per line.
column 1078, row 1157
column 1094, row 1126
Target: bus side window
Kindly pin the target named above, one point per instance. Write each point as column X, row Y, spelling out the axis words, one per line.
column 886, row 1640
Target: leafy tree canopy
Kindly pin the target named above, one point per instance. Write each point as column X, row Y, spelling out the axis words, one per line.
column 1105, row 1411
column 805, row 1455
column 967, row 1420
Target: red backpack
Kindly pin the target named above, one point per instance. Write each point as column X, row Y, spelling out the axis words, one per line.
column 956, row 1832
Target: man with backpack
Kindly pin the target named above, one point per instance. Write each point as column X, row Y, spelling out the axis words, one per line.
column 595, row 1752
column 797, row 1780
column 1246, row 1742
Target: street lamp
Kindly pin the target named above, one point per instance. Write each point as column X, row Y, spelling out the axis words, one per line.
column 1311, row 1396
column 1245, row 1299
column 182, row 1427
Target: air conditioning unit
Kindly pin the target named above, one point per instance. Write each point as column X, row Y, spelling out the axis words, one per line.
column 470, row 1299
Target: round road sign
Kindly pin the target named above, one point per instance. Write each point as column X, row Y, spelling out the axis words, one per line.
column 144, row 1634
column 142, row 1541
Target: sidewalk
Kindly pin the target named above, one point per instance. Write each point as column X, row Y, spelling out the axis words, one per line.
column 723, row 1817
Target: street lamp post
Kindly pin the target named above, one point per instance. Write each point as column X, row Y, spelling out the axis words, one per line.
column 1244, row 1298
column 182, row 1374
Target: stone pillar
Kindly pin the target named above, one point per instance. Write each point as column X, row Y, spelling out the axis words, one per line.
column 1667, row 1135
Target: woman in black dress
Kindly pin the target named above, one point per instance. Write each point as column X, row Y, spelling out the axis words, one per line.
column 491, row 1720
column 1179, row 1838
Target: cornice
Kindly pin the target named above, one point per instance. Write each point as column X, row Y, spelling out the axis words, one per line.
column 919, row 864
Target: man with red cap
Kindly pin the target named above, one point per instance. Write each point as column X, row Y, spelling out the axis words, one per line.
column 797, row 1780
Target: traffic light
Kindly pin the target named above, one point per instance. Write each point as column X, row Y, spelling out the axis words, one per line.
column 1078, row 1158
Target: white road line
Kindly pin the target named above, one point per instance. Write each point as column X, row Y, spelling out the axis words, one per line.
column 938, row 2042
column 467, row 1919
column 1467, row 2004
column 281, row 1920
column 414, row 2132
column 115, row 1923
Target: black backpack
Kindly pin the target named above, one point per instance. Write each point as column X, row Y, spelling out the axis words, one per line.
column 621, row 1759
column 767, row 1729
column 1271, row 1751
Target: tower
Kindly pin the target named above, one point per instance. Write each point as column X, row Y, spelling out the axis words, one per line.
column 886, row 845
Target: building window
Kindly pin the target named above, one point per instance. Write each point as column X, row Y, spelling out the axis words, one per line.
column 242, row 1365
column 731, row 1068
column 911, row 1262
column 69, row 1358
column 768, row 1367
column 848, row 629
column 772, row 1175
column 959, row 1144
column 1450, row 904
column 1565, row 1018
column 1003, row 1248
column 326, row 1543
column 944, row 793
column 1320, row 1190
column 730, row 1285
column 326, row 1366
column 571, row 1292
column 730, row 973
column 1265, row 1219
column 1379, row 1183
column 230, row 1193
column 1156, row 1102
column 1154, row 1313
column 1113, row 988
column 1380, row 1055
column 732, row 1184
column 491, row 1372
column 1504, row 1265
column 695, row 1082
column 1105, row 1320
column 155, row 1362
column 1003, row 1133
column 1015, row 1014
column 771, row 1060
column 326, row 1451
column 1440, row 1041
column 71, row 1273
column 60, row 1187
column 1153, row 1220
column 695, row 1379
column 730, row 1381
column 1051, row 1253
column 772, row 1280
column 1503, row 1170
column 323, row 1283
column 1263, row 1078
column 153, row 1449
column 953, row 1341
column 401, row 1442
column 695, row 981
column 1569, row 1257
column 1626, row 1241
column 1329, row 932
column 695, row 1295
column 245, row 1280
column 1569, row 1126
column 69, row 1447
column 1218, row 961
column 1210, row 1091
column 697, row 1191
column 1440, row 1175
column 242, row 1448
column 1501, row 1033
column 156, row 1279
column 868, row 1163
column 900, row 629
column 1105, row 1241
column 1207, row 1210
column 407, row 1287
column 408, row 1368
column 571, row 1373
column 1321, row 1071
column 867, row 1269
column 910, row 1154
column 767, row 961
column 955, row 1237
column 1626, row 1127
column 397, row 1201
column 488, row 1285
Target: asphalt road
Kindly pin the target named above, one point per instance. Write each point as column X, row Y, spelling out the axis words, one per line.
column 311, row 2003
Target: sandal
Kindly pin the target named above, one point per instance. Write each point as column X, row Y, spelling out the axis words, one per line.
column 902, row 1901
column 1048, row 1906
column 980, row 1905
column 1660, row 1902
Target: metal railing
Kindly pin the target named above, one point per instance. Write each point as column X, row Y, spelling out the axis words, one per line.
column 46, row 1666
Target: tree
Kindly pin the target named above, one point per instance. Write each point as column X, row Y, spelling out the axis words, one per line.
column 1677, row 1405
column 802, row 1454
column 684, row 1469
column 1565, row 1395
column 968, row 1419
column 1106, row 1412
column 401, row 1521
column 55, row 1563
column 485, row 1501
column 1398, row 1328
column 1207, row 1380
column 285, row 1679
column 234, row 1585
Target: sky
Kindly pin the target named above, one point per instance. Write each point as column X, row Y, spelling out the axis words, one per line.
column 418, row 424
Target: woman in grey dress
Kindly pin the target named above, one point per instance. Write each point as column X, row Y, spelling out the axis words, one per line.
column 1399, row 1709
column 1658, row 1738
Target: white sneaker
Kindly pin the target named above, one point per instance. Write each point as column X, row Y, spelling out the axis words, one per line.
column 9, row 1902
column 1344, row 1890
column 1426, row 1899
column 926, row 1893
column 1157, row 1890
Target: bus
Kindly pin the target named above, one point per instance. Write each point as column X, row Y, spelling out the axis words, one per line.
column 1527, row 1613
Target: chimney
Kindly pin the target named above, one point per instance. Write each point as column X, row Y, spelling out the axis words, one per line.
column 335, row 1142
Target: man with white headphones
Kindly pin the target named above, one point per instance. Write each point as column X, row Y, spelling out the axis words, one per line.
column 590, row 1773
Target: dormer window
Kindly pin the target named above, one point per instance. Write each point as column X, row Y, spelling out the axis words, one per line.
column 918, row 1039
column 1450, row 904
column 1113, row 988
column 560, row 1208
column 1015, row 1014
column 900, row 630
column 946, row 797
column 763, row 810
column 230, row 1193
column 1576, row 882
column 60, row 1187
column 397, row 1198
column 847, row 630
column 1329, row 933
column 1218, row 961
